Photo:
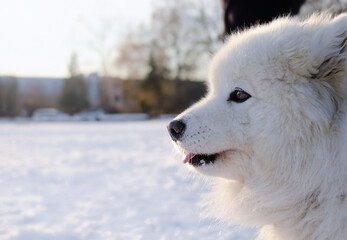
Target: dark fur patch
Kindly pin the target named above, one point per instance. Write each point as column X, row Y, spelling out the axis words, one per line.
column 311, row 202
column 239, row 14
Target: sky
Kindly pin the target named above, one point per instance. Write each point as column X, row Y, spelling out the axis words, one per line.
column 38, row 37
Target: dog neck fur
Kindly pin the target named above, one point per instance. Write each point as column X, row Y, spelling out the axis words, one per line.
column 289, row 200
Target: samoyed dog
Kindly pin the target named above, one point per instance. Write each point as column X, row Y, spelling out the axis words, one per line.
column 272, row 130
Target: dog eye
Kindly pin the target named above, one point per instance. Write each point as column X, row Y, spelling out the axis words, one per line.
column 238, row 95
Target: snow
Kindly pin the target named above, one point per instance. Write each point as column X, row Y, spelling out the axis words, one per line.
column 100, row 180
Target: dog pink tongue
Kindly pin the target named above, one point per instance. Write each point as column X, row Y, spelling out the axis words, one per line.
column 188, row 157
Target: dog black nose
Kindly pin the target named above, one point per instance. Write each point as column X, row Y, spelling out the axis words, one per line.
column 176, row 128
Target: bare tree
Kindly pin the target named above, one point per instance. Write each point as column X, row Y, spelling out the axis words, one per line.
column 101, row 35
column 132, row 57
column 101, row 40
column 184, row 33
column 189, row 31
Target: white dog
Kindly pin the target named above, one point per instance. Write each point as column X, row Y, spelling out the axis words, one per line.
column 272, row 130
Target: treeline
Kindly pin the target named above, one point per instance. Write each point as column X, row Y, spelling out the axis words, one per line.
column 168, row 97
column 9, row 98
column 171, row 54
column 152, row 95
column 13, row 103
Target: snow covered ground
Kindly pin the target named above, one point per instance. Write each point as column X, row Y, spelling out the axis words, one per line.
column 87, row 180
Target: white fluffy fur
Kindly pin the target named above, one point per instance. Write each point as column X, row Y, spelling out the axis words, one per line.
column 283, row 163
column 332, row 6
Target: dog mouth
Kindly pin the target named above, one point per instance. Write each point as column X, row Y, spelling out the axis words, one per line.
column 197, row 160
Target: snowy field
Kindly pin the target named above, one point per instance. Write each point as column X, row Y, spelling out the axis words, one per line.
column 100, row 181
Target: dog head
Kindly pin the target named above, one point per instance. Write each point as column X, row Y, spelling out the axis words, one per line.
column 274, row 90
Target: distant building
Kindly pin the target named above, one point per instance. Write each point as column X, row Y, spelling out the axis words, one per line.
column 45, row 86
column 49, row 89
column 93, row 89
column 112, row 94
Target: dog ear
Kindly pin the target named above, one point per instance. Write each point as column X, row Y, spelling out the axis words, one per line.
column 329, row 50
column 329, row 60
